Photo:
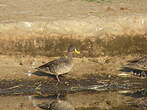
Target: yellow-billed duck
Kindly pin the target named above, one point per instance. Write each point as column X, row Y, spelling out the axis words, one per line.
column 60, row 66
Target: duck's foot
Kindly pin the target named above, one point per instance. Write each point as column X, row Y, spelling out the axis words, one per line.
column 57, row 77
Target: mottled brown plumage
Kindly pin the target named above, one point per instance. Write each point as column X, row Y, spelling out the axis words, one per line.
column 139, row 63
column 59, row 66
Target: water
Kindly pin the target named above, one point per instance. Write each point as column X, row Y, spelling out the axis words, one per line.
column 85, row 100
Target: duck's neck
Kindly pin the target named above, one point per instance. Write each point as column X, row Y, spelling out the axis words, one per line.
column 69, row 55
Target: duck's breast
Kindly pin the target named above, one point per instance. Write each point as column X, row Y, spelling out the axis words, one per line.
column 64, row 67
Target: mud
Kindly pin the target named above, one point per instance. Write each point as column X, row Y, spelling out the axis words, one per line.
column 46, row 46
column 105, row 28
column 89, row 83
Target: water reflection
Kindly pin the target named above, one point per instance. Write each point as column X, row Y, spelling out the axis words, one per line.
column 137, row 93
column 54, row 103
column 57, row 105
column 140, row 98
column 90, row 100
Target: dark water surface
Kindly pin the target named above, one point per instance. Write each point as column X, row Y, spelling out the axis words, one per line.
column 86, row 100
column 93, row 93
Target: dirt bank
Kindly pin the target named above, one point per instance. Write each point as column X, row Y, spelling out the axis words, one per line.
column 47, row 27
column 18, row 67
column 63, row 17
column 13, row 67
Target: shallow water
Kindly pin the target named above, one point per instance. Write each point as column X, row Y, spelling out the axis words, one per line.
column 86, row 100
column 93, row 93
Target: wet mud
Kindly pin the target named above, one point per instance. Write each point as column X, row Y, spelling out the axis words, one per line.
column 89, row 83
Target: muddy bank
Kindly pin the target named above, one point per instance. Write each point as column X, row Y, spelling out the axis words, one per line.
column 89, row 47
column 115, row 36
column 100, row 28
column 89, row 83
column 18, row 67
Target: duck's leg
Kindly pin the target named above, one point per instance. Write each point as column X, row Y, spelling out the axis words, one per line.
column 57, row 78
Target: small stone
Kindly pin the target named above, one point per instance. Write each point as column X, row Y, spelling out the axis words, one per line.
column 20, row 63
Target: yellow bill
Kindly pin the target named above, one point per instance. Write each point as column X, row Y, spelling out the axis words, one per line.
column 76, row 51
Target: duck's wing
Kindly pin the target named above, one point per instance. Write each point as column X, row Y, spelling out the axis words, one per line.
column 136, row 60
column 140, row 63
column 52, row 66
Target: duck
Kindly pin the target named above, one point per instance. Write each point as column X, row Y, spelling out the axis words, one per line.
column 139, row 63
column 61, row 65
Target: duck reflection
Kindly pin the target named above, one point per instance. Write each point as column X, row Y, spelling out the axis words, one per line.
column 57, row 102
column 57, row 105
column 140, row 98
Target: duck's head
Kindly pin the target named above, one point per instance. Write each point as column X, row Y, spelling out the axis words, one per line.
column 72, row 48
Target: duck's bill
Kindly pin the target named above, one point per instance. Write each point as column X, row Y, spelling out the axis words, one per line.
column 76, row 51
